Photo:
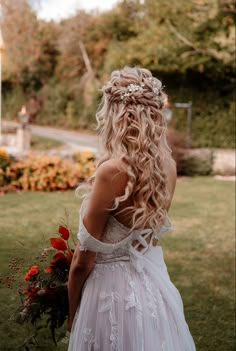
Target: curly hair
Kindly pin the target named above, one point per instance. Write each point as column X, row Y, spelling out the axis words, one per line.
column 132, row 128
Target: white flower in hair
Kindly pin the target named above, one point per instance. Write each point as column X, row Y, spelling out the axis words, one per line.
column 157, row 85
column 131, row 88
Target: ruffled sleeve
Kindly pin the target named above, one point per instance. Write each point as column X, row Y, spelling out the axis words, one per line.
column 166, row 227
column 88, row 242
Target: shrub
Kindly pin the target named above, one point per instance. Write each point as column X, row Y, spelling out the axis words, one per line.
column 5, row 161
column 176, row 141
column 213, row 120
column 83, row 157
column 193, row 166
column 86, row 159
column 43, row 173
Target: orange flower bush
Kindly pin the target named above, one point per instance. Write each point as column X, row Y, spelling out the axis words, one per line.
column 44, row 173
column 86, row 159
column 5, row 161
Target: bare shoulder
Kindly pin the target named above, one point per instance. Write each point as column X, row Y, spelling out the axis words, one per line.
column 114, row 173
column 113, row 166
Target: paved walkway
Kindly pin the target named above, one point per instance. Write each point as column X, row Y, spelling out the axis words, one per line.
column 73, row 141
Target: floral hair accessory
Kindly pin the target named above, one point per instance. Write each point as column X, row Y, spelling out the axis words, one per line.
column 131, row 88
column 157, row 85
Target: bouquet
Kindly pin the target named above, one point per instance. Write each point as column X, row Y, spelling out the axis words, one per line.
column 43, row 289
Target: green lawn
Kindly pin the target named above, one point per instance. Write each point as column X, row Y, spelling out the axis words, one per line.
column 199, row 255
column 43, row 143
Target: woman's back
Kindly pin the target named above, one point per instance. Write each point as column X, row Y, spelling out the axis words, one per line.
column 119, row 281
column 128, row 301
column 170, row 170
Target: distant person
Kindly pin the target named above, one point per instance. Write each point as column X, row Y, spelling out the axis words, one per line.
column 120, row 294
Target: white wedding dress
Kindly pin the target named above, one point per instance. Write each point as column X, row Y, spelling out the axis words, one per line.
column 128, row 301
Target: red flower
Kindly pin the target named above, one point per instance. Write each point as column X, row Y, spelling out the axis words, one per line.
column 26, row 277
column 64, row 232
column 58, row 256
column 58, row 244
column 33, row 271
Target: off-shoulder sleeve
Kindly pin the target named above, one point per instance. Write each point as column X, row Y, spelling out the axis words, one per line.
column 166, row 227
column 88, row 242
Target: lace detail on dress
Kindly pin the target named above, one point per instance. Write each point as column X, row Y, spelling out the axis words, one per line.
column 89, row 338
column 107, row 304
column 100, row 269
column 128, row 301
column 132, row 301
column 151, row 298
column 109, row 234
column 116, row 243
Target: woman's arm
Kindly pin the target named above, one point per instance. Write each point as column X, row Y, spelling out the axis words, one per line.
column 109, row 183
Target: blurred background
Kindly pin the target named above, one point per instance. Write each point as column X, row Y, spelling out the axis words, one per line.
column 54, row 57
column 57, row 55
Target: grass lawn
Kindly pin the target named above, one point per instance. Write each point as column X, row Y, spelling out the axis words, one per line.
column 42, row 143
column 199, row 255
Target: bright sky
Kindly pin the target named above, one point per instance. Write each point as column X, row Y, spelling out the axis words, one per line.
column 58, row 9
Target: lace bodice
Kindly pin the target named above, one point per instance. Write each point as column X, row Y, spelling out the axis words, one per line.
column 116, row 243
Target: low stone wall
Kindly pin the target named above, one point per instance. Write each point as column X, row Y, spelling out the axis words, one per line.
column 9, row 139
column 223, row 160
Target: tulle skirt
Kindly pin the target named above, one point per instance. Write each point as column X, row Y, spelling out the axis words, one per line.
column 127, row 306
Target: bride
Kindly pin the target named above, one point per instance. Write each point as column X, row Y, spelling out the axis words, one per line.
column 120, row 294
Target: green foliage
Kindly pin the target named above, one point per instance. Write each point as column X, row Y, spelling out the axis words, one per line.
column 5, row 161
column 194, row 166
column 88, row 110
column 55, row 97
column 43, row 143
column 213, row 120
column 13, row 99
column 188, row 43
column 71, row 114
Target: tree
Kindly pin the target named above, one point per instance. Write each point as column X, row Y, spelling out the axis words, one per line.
column 20, row 31
column 179, row 36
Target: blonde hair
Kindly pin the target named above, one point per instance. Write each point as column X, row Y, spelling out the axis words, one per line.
column 133, row 129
